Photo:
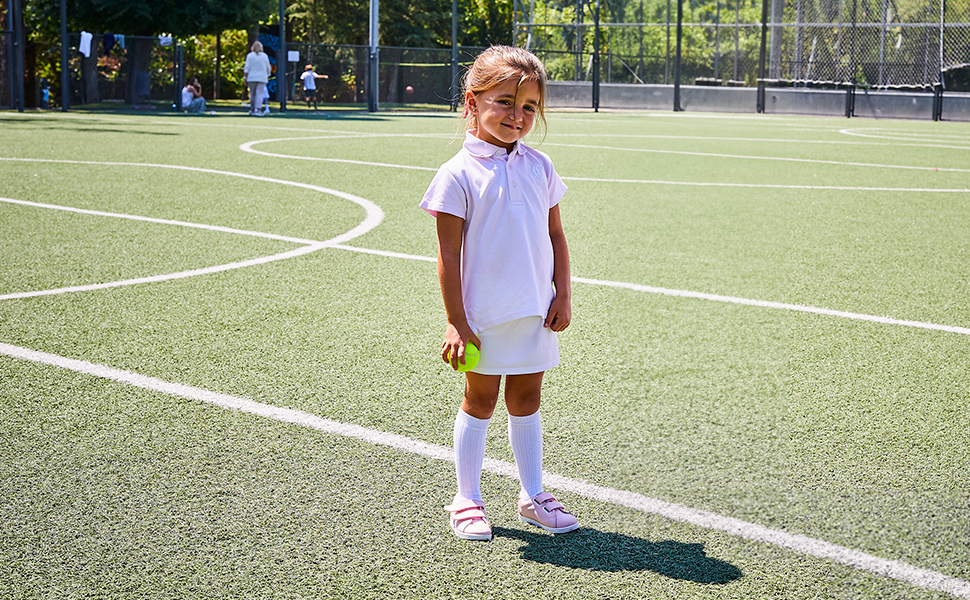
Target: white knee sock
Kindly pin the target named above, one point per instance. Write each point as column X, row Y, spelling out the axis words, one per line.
column 469, row 455
column 525, row 435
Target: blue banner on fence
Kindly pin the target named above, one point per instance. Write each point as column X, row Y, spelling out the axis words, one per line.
column 271, row 46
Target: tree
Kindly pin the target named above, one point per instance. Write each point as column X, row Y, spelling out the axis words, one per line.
column 484, row 22
column 145, row 19
column 307, row 18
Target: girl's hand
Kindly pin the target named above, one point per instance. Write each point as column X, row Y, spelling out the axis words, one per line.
column 454, row 345
column 560, row 314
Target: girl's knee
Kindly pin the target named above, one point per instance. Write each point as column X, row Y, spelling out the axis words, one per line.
column 481, row 395
column 523, row 394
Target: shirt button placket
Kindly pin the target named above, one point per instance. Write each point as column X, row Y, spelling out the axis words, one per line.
column 514, row 196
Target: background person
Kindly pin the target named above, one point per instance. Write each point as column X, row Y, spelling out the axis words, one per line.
column 309, row 78
column 256, row 74
column 192, row 100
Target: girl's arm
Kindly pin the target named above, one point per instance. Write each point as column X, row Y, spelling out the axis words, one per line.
column 560, row 311
column 458, row 333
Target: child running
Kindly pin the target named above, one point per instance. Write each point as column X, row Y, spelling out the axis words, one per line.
column 309, row 78
column 503, row 266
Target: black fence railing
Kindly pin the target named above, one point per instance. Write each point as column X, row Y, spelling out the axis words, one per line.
column 6, row 70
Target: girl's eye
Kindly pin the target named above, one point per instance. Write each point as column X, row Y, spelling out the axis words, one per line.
column 530, row 108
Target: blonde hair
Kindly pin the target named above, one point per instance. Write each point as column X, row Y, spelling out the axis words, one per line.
column 257, row 47
column 499, row 64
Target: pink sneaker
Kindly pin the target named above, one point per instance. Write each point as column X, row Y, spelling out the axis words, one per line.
column 468, row 520
column 546, row 512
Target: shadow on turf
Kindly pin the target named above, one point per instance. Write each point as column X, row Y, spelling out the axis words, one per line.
column 46, row 125
column 613, row 552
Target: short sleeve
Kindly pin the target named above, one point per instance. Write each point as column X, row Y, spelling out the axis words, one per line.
column 445, row 194
column 557, row 189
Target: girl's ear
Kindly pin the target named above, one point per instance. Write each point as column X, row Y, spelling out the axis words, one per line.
column 471, row 107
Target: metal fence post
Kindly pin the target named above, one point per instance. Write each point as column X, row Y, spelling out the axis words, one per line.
column 374, row 78
column 454, row 55
column 16, row 11
column 596, row 59
column 282, row 60
column 761, row 57
column 677, row 55
column 65, row 75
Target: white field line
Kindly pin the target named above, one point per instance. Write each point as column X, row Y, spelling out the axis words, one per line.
column 711, row 297
column 690, row 138
column 841, row 188
column 430, row 259
column 168, row 276
column 374, row 213
column 249, row 147
column 919, row 577
column 373, row 217
column 312, row 246
column 893, row 136
column 219, row 228
column 769, row 158
column 344, row 133
column 884, row 134
column 776, row 305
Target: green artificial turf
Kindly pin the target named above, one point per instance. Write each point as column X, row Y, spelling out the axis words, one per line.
column 843, row 430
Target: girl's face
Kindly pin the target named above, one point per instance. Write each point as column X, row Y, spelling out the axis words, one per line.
column 505, row 113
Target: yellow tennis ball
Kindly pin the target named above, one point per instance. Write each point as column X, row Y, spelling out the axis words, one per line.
column 471, row 358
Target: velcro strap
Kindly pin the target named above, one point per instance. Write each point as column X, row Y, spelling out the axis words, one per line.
column 552, row 504
column 467, row 514
column 464, row 511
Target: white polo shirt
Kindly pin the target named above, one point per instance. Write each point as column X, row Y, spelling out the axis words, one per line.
column 507, row 261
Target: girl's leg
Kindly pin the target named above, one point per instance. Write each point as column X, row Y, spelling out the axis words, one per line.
column 471, row 426
column 522, row 397
column 536, row 507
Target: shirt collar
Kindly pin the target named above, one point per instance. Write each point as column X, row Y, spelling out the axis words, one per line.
column 482, row 149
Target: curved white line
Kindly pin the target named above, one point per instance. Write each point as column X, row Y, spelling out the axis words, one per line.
column 894, row 569
column 373, row 218
column 219, row 228
column 169, row 276
column 374, row 213
column 248, row 147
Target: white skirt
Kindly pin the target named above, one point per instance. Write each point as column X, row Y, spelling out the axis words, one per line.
column 518, row 347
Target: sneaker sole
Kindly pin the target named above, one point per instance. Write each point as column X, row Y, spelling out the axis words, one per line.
column 477, row 537
column 572, row 527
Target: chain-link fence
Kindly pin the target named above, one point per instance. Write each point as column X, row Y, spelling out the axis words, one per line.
column 720, row 40
column 135, row 70
column 144, row 70
column 868, row 43
column 407, row 75
column 872, row 43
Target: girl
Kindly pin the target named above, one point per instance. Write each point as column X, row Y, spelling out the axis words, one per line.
column 503, row 266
